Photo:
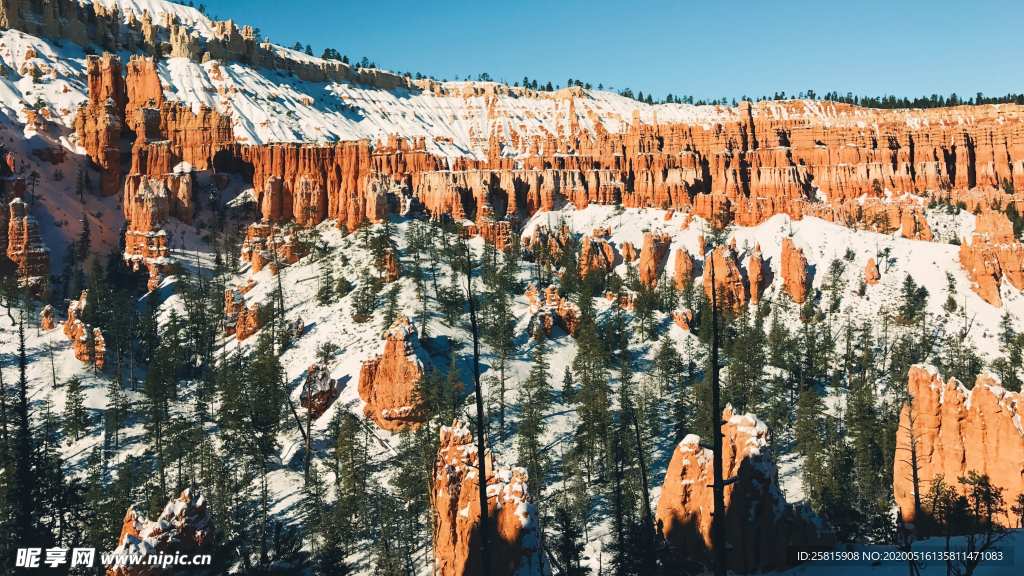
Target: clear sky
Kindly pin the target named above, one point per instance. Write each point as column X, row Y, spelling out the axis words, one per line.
column 706, row 49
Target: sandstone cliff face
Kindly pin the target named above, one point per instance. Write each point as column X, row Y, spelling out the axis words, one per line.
column 957, row 431
column 684, row 269
column 992, row 253
column 760, row 524
column 755, row 274
column 794, row 271
column 513, row 522
column 387, row 381
column 98, row 125
column 728, row 283
column 683, row 319
column 25, row 249
column 184, row 527
column 596, row 254
column 654, row 249
column 319, row 390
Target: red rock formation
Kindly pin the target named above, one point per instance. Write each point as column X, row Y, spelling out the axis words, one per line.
column 760, row 524
column 596, row 254
column 392, row 266
column 755, row 274
column 75, row 309
column 982, row 265
column 251, row 319
column 46, row 318
column 513, row 522
column 654, row 249
column 25, row 249
column 321, row 388
column 142, row 84
column 628, row 252
column 626, row 298
column 684, row 269
column 728, row 282
column 871, row 272
column 794, row 271
column 914, row 225
column 957, row 430
column 98, row 125
column 683, row 319
column 387, row 382
column 88, row 344
column 552, row 310
column 173, row 133
column 264, row 240
column 184, row 527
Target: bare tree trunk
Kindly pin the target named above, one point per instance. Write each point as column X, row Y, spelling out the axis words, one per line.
column 485, row 548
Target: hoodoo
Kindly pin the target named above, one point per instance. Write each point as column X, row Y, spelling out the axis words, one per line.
column 956, row 431
column 387, row 381
column 760, row 524
column 514, row 526
column 794, row 271
column 728, row 283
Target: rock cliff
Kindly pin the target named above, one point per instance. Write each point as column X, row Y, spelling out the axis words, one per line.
column 653, row 252
column 513, row 520
column 683, row 269
column 793, row 266
column 319, row 390
column 549, row 309
column 728, row 283
column 957, row 430
column 760, row 524
column 25, row 249
column 387, row 381
column 183, row 527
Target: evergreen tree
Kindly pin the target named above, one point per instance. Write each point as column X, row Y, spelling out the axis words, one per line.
column 590, row 368
column 76, row 419
column 568, row 387
column 534, row 399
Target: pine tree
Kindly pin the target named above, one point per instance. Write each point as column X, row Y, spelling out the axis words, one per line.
column 809, row 421
column 365, row 297
column 534, row 399
column 568, row 387
column 590, row 368
column 76, row 419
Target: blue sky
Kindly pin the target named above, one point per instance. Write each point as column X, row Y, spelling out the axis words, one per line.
column 705, row 49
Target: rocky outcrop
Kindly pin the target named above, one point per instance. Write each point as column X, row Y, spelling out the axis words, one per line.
column 653, row 252
column 728, row 282
column 551, row 310
column 914, row 225
column 626, row 298
column 46, row 321
column 265, row 243
column 793, row 266
column 760, row 524
column 87, row 342
column 387, row 381
column 184, row 527
column 319, row 390
column 174, row 133
column 98, row 125
column 991, row 253
column 75, row 310
column 683, row 319
column 251, row 319
column 755, row 274
column 148, row 204
column 957, row 431
column 512, row 518
column 871, row 275
column 628, row 252
column 596, row 254
column 684, row 269
column 25, row 249
column 89, row 345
